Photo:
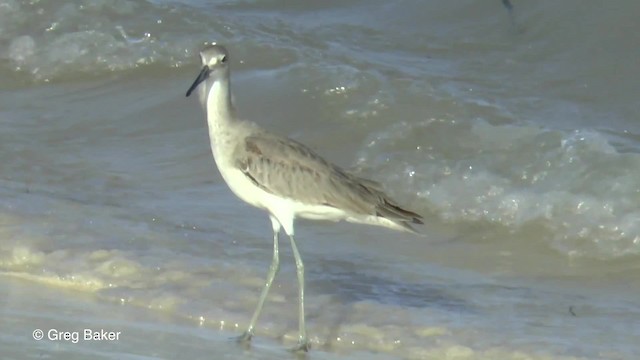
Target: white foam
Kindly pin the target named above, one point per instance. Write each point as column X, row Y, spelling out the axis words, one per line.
column 87, row 39
column 574, row 187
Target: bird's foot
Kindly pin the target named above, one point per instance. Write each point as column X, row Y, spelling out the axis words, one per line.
column 303, row 346
column 245, row 338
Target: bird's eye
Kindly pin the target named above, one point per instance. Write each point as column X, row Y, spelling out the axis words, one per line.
column 224, row 59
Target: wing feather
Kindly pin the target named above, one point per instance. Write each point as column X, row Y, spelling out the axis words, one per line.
column 289, row 169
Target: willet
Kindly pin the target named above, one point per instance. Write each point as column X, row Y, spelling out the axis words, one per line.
column 284, row 177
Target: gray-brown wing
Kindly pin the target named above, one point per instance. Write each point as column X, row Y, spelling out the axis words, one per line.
column 289, row 169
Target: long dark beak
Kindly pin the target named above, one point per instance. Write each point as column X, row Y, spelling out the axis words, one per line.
column 204, row 74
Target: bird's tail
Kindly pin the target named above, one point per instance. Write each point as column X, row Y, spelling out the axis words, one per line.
column 399, row 216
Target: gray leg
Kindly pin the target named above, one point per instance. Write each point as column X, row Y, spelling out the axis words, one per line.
column 273, row 270
column 303, row 342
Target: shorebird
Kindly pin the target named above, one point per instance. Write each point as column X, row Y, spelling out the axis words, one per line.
column 284, row 177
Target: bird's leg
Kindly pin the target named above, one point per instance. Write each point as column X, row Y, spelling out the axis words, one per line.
column 303, row 342
column 273, row 270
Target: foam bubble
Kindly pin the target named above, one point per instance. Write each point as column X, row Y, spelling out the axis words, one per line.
column 21, row 49
column 574, row 187
column 51, row 40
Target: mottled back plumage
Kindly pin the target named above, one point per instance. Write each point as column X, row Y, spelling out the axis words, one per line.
column 287, row 168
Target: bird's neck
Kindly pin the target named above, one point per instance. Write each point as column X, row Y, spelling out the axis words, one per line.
column 219, row 107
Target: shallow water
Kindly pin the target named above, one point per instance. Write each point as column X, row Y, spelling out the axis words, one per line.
column 516, row 136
